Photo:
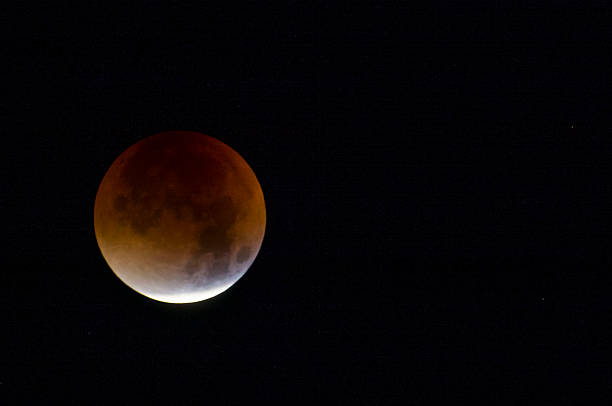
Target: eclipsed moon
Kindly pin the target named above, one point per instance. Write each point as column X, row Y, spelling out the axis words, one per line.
column 179, row 217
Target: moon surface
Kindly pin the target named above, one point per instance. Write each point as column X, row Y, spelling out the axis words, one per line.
column 179, row 217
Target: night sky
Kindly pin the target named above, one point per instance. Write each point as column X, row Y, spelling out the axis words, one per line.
column 437, row 187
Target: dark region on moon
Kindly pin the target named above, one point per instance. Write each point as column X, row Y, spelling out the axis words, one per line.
column 149, row 175
column 243, row 254
column 215, row 239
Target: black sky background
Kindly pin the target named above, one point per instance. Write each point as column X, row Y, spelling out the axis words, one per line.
column 437, row 184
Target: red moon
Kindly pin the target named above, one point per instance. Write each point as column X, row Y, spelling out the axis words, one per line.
column 179, row 217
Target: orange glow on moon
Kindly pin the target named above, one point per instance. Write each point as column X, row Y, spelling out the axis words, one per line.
column 179, row 217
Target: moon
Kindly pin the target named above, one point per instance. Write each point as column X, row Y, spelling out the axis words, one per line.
column 179, row 217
